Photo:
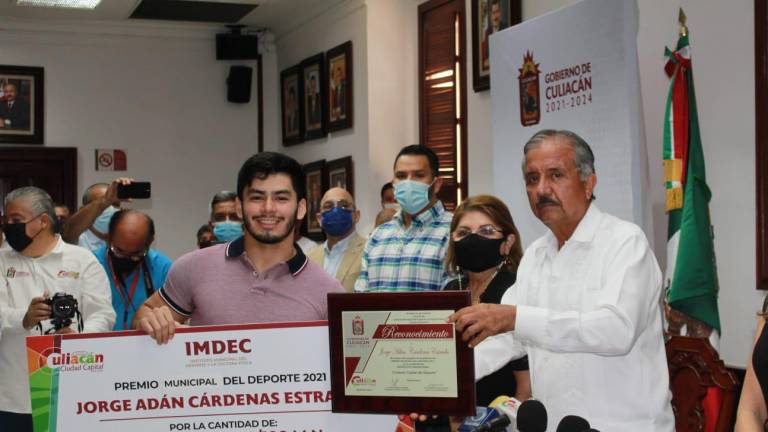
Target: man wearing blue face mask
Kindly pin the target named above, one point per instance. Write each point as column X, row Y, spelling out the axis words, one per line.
column 227, row 225
column 341, row 253
column 407, row 253
column 89, row 227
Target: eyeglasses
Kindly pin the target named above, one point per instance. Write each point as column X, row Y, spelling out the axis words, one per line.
column 135, row 257
column 342, row 204
column 222, row 217
column 487, row 231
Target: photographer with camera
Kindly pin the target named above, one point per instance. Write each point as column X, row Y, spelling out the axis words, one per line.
column 46, row 286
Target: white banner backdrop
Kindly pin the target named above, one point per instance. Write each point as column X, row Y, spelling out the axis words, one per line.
column 574, row 68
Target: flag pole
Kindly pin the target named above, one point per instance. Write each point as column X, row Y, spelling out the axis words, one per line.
column 681, row 18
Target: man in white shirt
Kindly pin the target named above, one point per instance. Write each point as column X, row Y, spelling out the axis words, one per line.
column 38, row 266
column 585, row 307
column 342, row 253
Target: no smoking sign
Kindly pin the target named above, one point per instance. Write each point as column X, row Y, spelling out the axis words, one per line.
column 111, row 160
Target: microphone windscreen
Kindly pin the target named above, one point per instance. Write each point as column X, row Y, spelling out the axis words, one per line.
column 498, row 401
column 572, row 423
column 532, row 417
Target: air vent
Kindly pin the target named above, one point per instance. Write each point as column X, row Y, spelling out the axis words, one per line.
column 200, row 11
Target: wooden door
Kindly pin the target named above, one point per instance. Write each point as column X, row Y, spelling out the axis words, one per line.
column 53, row 169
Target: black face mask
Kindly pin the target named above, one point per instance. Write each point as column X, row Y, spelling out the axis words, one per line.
column 57, row 227
column 476, row 253
column 204, row 244
column 16, row 235
column 123, row 265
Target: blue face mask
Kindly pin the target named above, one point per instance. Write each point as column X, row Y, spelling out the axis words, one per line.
column 227, row 230
column 101, row 224
column 337, row 221
column 412, row 196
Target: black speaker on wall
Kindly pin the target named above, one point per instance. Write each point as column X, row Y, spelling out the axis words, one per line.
column 239, row 84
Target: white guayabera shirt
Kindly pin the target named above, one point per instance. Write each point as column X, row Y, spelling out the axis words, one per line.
column 67, row 268
column 589, row 319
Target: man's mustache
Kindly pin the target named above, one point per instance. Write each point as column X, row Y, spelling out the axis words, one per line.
column 543, row 200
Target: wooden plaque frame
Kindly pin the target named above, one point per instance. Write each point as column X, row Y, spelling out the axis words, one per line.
column 464, row 404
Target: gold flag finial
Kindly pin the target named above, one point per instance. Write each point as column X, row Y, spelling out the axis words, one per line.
column 681, row 18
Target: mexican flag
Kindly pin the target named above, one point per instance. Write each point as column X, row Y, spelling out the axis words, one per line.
column 691, row 275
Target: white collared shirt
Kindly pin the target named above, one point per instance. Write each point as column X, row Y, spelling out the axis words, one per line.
column 334, row 256
column 67, row 268
column 589, row 319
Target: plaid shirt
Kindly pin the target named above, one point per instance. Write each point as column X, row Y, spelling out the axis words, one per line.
column 397, row 258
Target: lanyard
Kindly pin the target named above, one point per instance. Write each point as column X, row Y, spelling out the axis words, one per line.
column 126, row 296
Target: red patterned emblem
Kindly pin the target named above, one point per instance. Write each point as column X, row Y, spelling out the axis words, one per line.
column 530, row 101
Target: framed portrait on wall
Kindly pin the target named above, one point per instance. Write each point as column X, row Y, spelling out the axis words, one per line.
column 291, row 96
column 340, row 174
column 313, row 75
column 315, row 182
column 339, row 84
column 489, row 17
column 761, row 147
column 21, row 104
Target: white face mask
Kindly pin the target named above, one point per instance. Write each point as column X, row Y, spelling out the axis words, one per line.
column 394, row 206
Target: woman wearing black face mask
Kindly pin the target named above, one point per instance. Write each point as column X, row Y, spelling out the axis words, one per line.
column 484, row 251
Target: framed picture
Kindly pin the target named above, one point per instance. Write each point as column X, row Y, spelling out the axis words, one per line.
column 340, row 174
column 488, row 17
column 339, row 84
column 313, row 76
column 292, row 91
column 761, row 147
column 315, row 181
column 21, row 104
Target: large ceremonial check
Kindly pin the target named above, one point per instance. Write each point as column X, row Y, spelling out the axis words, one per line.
column 397, row 352
column 254, row 377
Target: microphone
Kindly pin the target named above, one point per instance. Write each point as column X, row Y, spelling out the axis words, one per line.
column 504, row 411
column 482, row 416
column 532, row 417
column 573, row 423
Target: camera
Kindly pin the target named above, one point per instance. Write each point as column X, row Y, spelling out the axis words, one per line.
column 63, row 309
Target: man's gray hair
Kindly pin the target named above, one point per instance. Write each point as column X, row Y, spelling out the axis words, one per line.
column 583, row 156
column 220, row 197
column 38, row 200
column 87, row 194
column 223, row 196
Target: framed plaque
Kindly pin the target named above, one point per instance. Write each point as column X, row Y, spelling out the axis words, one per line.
column 396, row 353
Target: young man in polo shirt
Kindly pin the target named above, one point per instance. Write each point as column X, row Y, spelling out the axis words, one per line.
column 260, row 277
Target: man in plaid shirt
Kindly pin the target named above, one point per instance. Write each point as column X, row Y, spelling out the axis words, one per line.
column 407, row 253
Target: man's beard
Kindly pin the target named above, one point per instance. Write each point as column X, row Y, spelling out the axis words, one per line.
column 269, row 238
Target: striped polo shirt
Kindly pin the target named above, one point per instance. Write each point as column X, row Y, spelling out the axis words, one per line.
column 220, row 285
column 400, row 258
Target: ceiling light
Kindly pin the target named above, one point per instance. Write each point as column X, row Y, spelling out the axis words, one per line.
column 65, row 4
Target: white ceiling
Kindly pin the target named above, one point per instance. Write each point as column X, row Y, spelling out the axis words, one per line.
column 276, row 15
